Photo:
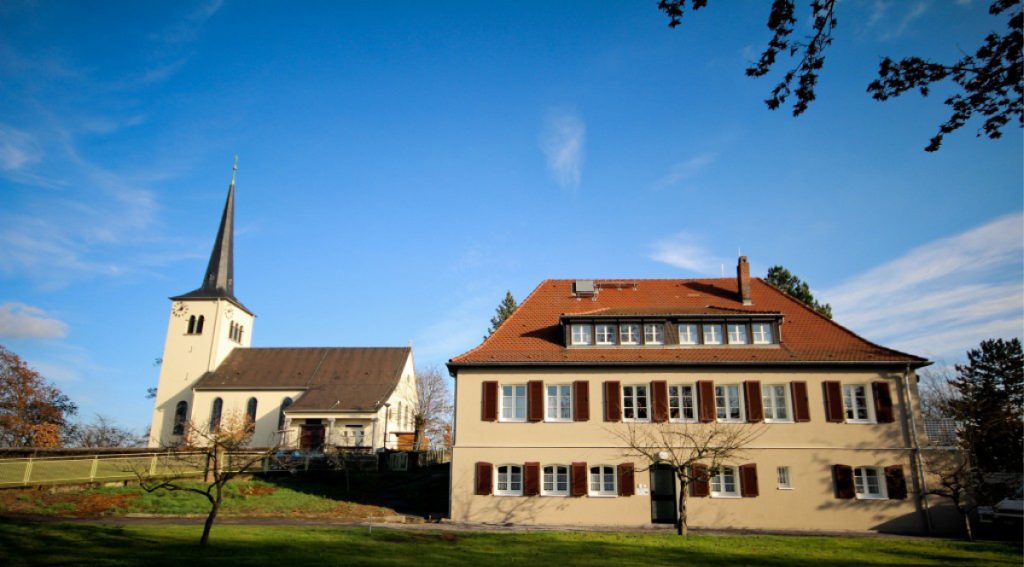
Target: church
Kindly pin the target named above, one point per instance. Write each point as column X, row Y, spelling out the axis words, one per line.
column 354, row 398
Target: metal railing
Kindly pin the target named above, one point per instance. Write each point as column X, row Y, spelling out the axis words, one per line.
column 37, row 471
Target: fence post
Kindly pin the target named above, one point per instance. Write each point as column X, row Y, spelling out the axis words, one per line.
column 28, row 472
column 152, row 465
column 92, row 470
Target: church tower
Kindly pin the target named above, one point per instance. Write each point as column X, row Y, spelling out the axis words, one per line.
column 205, row 325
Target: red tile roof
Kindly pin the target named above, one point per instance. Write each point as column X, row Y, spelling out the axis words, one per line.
column 533, row 335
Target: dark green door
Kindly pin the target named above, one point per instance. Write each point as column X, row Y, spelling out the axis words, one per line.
column 663, row 494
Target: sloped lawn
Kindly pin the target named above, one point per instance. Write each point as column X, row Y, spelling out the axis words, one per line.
column 75, row 544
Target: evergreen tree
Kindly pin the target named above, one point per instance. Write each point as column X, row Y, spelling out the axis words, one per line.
column 782, row 278
column 989, row 405
column 504, row 311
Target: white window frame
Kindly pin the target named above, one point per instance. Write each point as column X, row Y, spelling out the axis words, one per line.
column 859, row 473
column 654, row 333
column 869, row 404
column 716, row 474
column 633, row 337
column 768, row 401
column 602, row 492
column 561, row 402
column 554, row 481
column 720, row 338
column 610, row 332
column 508, row 491
column 739, row 401
column 691, row 338
column 677, row 398
column 742, row 328
column 784, row 476
column 767, row 332
column 501, row 403
column 634, row 398
column 581, row 331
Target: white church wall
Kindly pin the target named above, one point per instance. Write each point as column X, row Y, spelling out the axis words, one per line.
column 268, row 410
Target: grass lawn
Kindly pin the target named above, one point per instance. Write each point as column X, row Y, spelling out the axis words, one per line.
column 74, row 544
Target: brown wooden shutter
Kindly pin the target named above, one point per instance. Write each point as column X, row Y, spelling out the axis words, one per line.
column 531, row 479
column 895, row 483
column 490, row 402
column 801, row 409
column 700, row 486
column 748, row 480
column 705, row 401
column 842, row 477
column 535, row 400
column 581, row 400
column 883, row 402
column 626, row 486
column 484, row 478
column 612, row 401
column 752, row 399
column 833, row 401
column 578, row 484
column 659, row 401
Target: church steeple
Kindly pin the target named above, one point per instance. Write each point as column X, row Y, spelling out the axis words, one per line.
column 219, row 281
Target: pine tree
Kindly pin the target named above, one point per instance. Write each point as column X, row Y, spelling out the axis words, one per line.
column 504, row 311
column 989, row 405
column 784, row 280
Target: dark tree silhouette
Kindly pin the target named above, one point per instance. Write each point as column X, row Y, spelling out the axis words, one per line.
column 503, row 311
column 795, row 287
column 989, row 81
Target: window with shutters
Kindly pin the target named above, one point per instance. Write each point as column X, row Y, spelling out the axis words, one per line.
column 785, row 482
column 775, row 398
column 509, row 480
column 869, row 483
column 728, row 403
column 688, row 334
column 857, row 403
column 682, row 405
column 582, row 334
column 738, row 333
column 713, row 334
column 654, row 334
column 635, row 403
column 555, row 481
column 763, row 333
column 603, row 481
column 559, row 402
column 604, row 334
column 629, row 334
column 725, row 482
column 513, row 402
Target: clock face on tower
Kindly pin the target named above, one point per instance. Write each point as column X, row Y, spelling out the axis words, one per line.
column 230, row 313
column 179, row 309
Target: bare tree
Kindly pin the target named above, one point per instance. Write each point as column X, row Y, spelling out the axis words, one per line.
column 935, row 392
column 953, row 478
column 226, row 453
column 693, row 450
column 434, row 406
column 103, row 433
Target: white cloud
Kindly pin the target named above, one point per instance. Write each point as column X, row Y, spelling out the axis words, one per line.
column 916, row 11
column 17, row 149
column 685, row 170
column 941, row 298
column 457, row 330
column 562, row 141
column 20, row 321
column 685, row 250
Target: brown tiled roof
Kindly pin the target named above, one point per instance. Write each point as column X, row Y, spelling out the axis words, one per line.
column 533, row 335
column 611, row 312
column 334, row 379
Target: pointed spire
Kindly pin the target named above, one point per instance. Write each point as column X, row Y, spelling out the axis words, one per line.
column 219, row 281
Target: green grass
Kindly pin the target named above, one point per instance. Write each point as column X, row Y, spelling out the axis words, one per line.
column 73, row 544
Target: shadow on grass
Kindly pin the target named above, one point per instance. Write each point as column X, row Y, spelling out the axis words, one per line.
column 63, row 544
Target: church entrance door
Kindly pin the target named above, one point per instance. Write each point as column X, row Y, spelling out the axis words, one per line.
column 312, row 438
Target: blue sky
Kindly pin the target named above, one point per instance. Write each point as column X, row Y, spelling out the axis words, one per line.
column 401, row 167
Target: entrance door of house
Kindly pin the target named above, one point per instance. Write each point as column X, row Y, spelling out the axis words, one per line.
column 663, row 494
column 312, row 437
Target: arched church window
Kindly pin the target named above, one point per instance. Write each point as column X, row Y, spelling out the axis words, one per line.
column 250, row 415
column 285, row 404
column 199, row 324
column 218, row 408
column 180, row 416
column 192, row 324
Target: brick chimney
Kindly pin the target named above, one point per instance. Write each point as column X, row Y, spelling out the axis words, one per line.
column 743, row 279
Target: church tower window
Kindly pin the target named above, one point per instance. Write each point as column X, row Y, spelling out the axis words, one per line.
column 192, row 325
column 199, row 324
column 180, row 416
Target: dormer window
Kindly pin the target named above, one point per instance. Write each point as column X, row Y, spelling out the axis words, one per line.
column 713, row 334
column 763, row 334
column 629, row 334
column 737, row 333
column 688, row 334
column 631, row 328
column 605, row 334
column 581, row 334
column 654, row 334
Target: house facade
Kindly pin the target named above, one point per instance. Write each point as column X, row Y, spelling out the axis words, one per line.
column 544, row 404
column 336, row 398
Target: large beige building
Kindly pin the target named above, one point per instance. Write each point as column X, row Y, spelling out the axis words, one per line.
column 309, row 398
column 543, row 403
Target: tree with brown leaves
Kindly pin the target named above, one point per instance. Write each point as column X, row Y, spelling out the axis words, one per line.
column 33, row 412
